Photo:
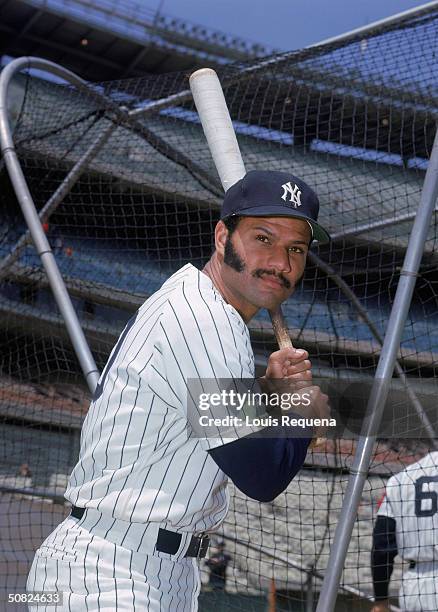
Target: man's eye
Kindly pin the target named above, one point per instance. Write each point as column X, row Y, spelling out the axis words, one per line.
column 262, row 238
column 295, row 249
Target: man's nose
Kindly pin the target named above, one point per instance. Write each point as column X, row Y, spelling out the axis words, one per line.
column 280, row 261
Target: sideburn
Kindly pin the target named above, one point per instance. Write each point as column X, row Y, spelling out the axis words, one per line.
column 232, row 258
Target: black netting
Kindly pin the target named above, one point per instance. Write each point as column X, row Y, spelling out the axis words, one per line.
column 356, row 121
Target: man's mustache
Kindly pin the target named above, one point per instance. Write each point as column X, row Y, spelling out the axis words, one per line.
column 260, row 272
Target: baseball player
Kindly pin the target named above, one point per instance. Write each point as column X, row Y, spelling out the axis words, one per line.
column 144, row 493
column 407, row 525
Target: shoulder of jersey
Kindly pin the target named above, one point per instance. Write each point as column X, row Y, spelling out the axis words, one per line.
column 411, row 471
column 191, row 293
column 429, row 460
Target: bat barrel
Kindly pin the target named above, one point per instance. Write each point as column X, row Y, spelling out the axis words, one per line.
column 218, row 128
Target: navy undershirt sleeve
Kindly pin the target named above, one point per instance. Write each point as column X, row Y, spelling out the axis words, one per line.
column 262, row 467
column 382, row 555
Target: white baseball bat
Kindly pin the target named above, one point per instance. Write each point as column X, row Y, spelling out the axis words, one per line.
column 222, row 142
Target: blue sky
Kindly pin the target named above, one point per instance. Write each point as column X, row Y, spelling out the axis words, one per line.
column 283, row 24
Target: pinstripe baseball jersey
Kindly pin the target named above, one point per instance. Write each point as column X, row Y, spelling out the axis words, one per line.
column 136, row 460
column 412, row 500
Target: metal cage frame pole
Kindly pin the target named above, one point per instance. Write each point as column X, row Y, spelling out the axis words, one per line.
column 33, row 221
column 56, row 199
column 379, row 391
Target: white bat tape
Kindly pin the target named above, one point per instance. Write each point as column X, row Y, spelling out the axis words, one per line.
column 218, row 128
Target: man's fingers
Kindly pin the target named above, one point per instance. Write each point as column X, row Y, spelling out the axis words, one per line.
column 318, row 407
column 290, row 353
column 300, row 356
column 281, row 360
column 299, row 384
column 296, row 368
column 303, row 368
column 299, row 374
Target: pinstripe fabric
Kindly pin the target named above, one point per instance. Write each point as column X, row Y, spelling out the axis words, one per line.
column 411, row 500
column 138, row 469
column 106, row 577
column 136, row 462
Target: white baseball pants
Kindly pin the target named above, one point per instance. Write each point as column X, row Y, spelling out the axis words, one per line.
column 419, row 588
column 95, row 574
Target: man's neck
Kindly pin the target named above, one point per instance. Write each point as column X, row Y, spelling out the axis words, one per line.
column 212, row 270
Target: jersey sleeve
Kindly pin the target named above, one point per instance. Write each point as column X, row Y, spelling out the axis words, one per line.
column 205, row 349
column 270, row 463
column 385, row 508
column 383, row 552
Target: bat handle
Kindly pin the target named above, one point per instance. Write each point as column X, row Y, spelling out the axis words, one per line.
column 279, row 326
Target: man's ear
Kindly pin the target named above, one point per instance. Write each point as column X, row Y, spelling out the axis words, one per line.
column 220, row 237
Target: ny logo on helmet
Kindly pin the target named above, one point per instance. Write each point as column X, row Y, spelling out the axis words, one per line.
column 293, row 192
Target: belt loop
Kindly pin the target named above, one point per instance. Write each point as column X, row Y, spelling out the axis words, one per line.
column 203, row 545
column 186, row 539
column 185, row 543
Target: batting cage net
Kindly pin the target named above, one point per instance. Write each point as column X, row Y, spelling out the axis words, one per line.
column 122, row 178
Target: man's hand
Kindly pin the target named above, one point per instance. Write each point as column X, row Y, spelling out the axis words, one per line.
column 289, row 371
column 314, row 405
column 381, row 606
column 292, row 364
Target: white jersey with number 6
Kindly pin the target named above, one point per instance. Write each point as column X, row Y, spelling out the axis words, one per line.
column 412, row 500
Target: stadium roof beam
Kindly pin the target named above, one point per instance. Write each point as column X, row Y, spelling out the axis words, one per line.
column 144, row 42
column 376, row 26
column 138, row 56
column 30, row 22
column 60, row 47
column 139, row 21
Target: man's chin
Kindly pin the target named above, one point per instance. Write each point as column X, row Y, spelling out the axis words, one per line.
column 270, row 303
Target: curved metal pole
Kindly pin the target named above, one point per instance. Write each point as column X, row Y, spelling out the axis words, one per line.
column 25, row 200
column 380, row 389
column 55, row 200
